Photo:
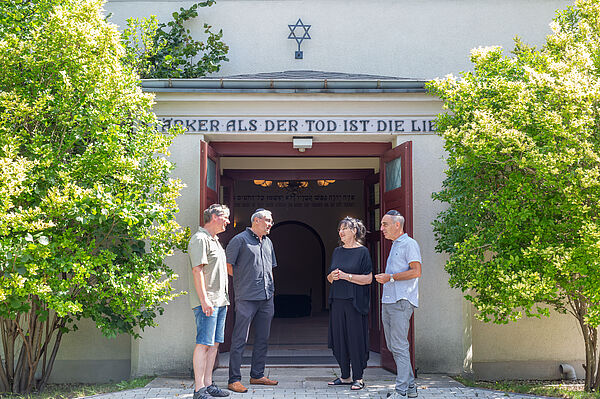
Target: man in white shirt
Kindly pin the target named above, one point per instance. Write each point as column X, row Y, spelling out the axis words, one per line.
column 400, row 297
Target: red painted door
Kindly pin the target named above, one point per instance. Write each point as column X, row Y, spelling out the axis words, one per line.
column 395, row 185
column 210, row 186
column 209, row 177
column 225, row 237
column 373, row 243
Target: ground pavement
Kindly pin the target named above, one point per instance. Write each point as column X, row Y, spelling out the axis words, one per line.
column 310, row 383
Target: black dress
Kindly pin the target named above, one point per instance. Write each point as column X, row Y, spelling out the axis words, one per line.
column 349, row 308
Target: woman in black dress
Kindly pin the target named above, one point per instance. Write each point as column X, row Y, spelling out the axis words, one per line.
column 350, row 275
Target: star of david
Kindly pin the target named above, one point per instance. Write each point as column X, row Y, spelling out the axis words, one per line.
column 298, row 38
column 305, row 35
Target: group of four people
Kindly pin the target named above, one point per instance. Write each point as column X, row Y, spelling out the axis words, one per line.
column 250, row 259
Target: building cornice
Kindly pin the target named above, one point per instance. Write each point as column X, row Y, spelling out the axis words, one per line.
column 285, row 86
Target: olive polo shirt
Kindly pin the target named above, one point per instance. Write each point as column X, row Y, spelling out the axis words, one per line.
column 204, row 249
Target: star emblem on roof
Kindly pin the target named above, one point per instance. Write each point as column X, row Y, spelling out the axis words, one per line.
column 299, row 32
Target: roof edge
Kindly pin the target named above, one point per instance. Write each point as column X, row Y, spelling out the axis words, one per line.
column 274, row 85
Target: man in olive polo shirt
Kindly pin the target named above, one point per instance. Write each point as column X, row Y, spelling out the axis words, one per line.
column 250, row 260
column 208, row 297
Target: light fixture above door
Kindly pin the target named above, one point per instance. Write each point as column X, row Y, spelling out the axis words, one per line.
column 302, row 143
column 323, row 183
column 263, row 183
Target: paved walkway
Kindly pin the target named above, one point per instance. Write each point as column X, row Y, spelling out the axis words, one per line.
column 310, row 383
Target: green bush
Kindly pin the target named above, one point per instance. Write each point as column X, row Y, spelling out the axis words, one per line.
column 159, row 50
column 87, row 207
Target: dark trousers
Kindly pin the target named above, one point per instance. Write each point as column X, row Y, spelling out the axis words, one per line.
column 349, row 337
column 261, row 312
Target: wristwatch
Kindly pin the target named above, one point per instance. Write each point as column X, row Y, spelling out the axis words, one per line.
column 392, row 278
column 349, row 277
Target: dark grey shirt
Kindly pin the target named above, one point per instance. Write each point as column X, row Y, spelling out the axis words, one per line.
column 253, row 261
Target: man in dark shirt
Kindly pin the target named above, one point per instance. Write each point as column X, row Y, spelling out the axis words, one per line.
column 250, row 260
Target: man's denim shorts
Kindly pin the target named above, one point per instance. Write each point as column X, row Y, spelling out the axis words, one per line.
column 210, row 329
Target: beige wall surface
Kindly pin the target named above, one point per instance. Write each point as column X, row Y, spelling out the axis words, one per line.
column 168, row 347
column 406, row 38
column 529, row 348
column 86, row 355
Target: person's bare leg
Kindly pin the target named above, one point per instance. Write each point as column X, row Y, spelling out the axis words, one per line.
column 199, row 361
column 211, row 355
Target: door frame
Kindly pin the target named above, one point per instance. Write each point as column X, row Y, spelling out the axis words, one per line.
column 329, row 149
column 400, row 199
column 208, row 195
column 283, row 149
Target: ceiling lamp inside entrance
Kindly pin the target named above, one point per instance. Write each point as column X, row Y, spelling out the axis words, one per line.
column 263, row 183
column 324, row 183
column 292, row 184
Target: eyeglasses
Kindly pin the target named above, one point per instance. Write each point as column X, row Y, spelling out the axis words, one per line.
column 393, row 212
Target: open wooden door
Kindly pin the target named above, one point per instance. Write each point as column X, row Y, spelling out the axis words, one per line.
column 396, row 193
column 210, row 186
column 209, row 177
column 225, row 237
column 373, row 244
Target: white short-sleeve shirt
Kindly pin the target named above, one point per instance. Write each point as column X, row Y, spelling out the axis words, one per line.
column 404, row 250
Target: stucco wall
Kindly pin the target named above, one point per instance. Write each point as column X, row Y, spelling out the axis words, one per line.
column 407, row 38
column 529, row 348
column 167, row 348
column 439, row 324
column 87, row 356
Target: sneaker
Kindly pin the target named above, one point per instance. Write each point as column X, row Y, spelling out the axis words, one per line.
column 412, row 391
column 215, row 391
column 201, row 394
column 396, row 395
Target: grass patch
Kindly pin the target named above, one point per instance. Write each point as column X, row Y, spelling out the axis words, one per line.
column 559, row 389
column 70, row 391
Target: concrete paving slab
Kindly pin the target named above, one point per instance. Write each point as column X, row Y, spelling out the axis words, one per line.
column 310, row 383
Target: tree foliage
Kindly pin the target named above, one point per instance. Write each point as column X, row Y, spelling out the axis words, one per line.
column 522, row 134
column 159, row 50
column 87, row 207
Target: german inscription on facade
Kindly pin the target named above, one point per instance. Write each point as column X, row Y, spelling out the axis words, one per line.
column 300, row 125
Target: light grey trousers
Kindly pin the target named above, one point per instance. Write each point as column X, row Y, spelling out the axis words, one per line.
column 396, row 321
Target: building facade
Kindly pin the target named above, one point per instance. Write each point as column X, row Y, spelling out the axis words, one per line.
column 348, row 129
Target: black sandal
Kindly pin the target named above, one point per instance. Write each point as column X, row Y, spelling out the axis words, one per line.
column 357, row 385
column 338, row 381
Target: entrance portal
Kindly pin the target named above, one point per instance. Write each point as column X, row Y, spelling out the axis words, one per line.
column 227, row 166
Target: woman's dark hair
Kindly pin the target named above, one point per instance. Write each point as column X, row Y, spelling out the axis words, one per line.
column 355, row 224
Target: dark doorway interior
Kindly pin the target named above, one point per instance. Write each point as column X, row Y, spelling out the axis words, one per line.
column 304, row 236
column 301, row 256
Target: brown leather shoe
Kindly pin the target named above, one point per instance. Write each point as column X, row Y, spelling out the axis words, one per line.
column 237, row 387
column 263, row 381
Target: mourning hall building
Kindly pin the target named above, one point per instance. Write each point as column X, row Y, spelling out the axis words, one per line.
column 321, row 113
